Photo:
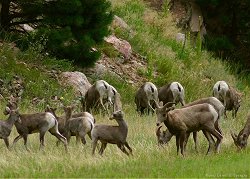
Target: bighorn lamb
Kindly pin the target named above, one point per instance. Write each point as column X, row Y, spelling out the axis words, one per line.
column 99, row 93
column 77, row 126
column 228, row 96
column 6, row 126
column 172, row 92
column 145, row 97
column 165, row 136
column 111, row 134
column 241, row 140
column 37, row 122
column 181, row 122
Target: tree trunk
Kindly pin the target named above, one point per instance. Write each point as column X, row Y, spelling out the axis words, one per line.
column 4, row 14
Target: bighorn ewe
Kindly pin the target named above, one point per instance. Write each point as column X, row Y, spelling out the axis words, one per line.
column 165, row 136
column 241, row 140
column 37, row 122
column 111, row 134
column 78, row 126
column 145, row 97
column 228, row 96
column 181, row 122
column 172, row 92
column 6, row 126
column 98, row 93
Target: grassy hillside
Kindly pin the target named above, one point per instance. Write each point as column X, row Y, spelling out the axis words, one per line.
column 153, row 37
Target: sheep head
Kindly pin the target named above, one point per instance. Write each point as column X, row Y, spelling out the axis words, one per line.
column 117, row 115
column 163, row 137
column 241, row 140
column 161, row 111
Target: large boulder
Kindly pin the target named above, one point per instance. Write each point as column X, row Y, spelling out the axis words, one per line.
column 77, row 80
column 121, row 45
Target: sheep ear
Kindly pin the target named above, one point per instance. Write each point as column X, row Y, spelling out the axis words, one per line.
column 7, row 110
column 158, row 131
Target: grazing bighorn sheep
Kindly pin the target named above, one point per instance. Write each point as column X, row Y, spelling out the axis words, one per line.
column 172, row 92
column 228, row 96
column 98, row 93
column 165, row 136
column 241, row 140
column 6, row 126
column 181, row 122
column 111, row 134
column 145, row 97
column 37, row 122
column 77, row 126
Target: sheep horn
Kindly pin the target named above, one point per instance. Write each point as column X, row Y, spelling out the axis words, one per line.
column 158, row 131
column 169, row 104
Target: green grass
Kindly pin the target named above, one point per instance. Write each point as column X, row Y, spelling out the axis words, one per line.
column 153, row 37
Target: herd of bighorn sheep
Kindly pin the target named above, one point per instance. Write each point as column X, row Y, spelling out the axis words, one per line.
column 203, row 114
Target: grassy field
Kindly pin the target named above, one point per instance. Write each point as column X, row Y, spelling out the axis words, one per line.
column 153, row 38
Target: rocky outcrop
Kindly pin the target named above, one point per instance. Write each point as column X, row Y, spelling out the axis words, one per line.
column 77, row 80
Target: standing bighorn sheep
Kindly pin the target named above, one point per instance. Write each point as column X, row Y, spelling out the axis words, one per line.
column 111, row 134
column 99, row 93
column 37, row 122
column 241, row 140
column 6, row 126
column 165, row 136
column 172, row 92
column 181, row 122
column 145, row 97
column 77, row 126
column 228, row 96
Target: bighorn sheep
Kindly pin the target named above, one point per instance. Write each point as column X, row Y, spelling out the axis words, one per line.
column 37, row 122
column 181, row 122
column 228, row 96
column 165, row 136
column 172, row 92
column 241, row 140
column 98, row 93
column 6, row 126
column 111, row 134
column 145, row 97
column 78, row 126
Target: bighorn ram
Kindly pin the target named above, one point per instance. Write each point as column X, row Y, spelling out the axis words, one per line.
column 77, row 126
column 99, row 93
column 172, row 92
column 165, row 136
column 181, row 122
column 145, row 97
column 37, row 122
column 6, row 126
column 228, row 96
column 111, row 134
column 241, row 140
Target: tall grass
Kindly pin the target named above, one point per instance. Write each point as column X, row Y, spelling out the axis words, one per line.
column 153, row 38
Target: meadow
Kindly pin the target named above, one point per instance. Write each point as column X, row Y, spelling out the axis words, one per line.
column 153, row 38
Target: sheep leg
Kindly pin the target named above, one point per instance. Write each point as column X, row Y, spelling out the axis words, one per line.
column 129, row 148
column 217, row 127
column 182, row 142
column 209, row 139
column 25, row 137
column 94, row 143
column 195, row 141
column 103, row 147
column 177, row 143
column 6, row 140
column 101, row 101
column 218, row 136
column 16, row 139
column 60, row 137
column 89, row 134
column 42, row 133
column 120, row 146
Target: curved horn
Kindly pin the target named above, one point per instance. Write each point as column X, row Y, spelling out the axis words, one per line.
column 158, row 131
column 169, row 104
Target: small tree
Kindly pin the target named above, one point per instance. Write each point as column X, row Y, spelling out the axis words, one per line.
column 66, row 29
